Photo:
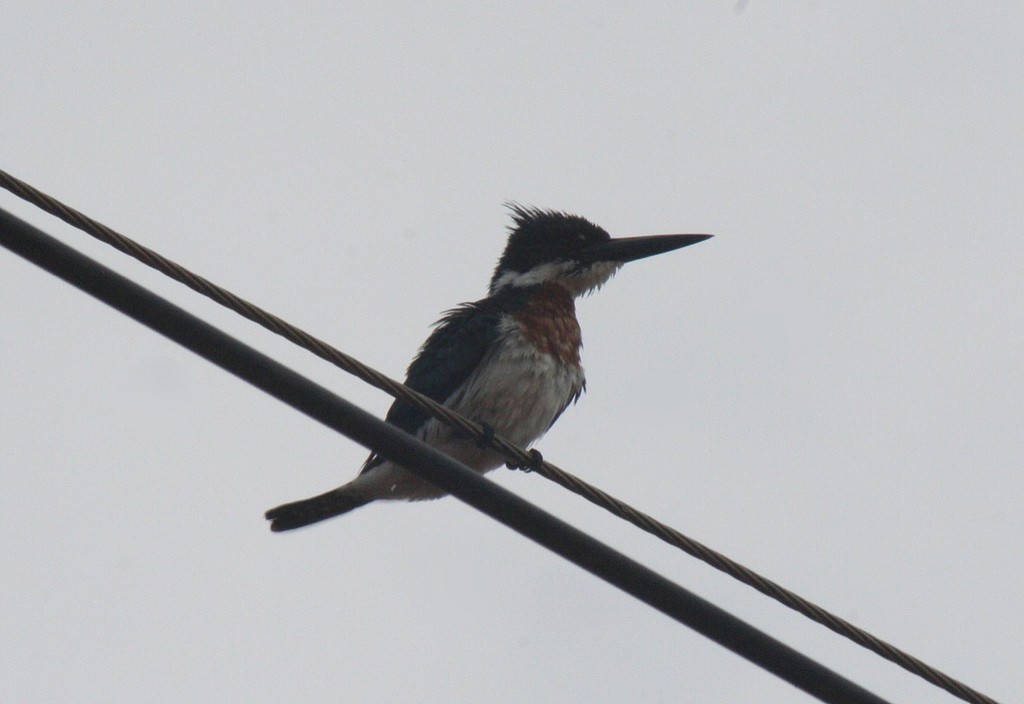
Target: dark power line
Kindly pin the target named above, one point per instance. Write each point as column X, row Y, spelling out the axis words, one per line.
column 486, row 496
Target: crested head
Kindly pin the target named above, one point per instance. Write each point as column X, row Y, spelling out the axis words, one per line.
column 548, row 246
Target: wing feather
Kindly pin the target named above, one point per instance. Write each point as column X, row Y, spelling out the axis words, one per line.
column 459, row 342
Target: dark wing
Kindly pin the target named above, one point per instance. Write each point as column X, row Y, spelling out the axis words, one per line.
column 446, row 360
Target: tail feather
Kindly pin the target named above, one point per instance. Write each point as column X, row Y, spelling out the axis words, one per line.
column 313, row 510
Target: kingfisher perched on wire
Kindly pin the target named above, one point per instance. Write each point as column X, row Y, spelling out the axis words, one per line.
column 510, row 361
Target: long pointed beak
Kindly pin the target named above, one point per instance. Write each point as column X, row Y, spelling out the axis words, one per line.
column 628, row 249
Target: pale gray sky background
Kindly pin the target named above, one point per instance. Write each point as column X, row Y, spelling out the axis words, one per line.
column 830, row 391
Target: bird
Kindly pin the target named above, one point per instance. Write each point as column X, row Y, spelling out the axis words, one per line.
column 509, row 361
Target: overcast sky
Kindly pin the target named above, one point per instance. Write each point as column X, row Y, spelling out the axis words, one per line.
column 830, row 391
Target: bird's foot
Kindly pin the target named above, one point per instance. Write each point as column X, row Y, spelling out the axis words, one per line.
column 485, row 441
column 535, row 463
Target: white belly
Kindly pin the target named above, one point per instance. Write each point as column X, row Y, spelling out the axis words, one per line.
column 517, row 390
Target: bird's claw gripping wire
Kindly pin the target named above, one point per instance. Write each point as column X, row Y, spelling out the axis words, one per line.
column 486, row 436
column 535, row 463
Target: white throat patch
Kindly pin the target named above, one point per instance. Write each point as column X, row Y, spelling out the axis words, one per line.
column 576, row 282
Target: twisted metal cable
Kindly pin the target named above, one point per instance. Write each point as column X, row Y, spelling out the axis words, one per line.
column 516, row 456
